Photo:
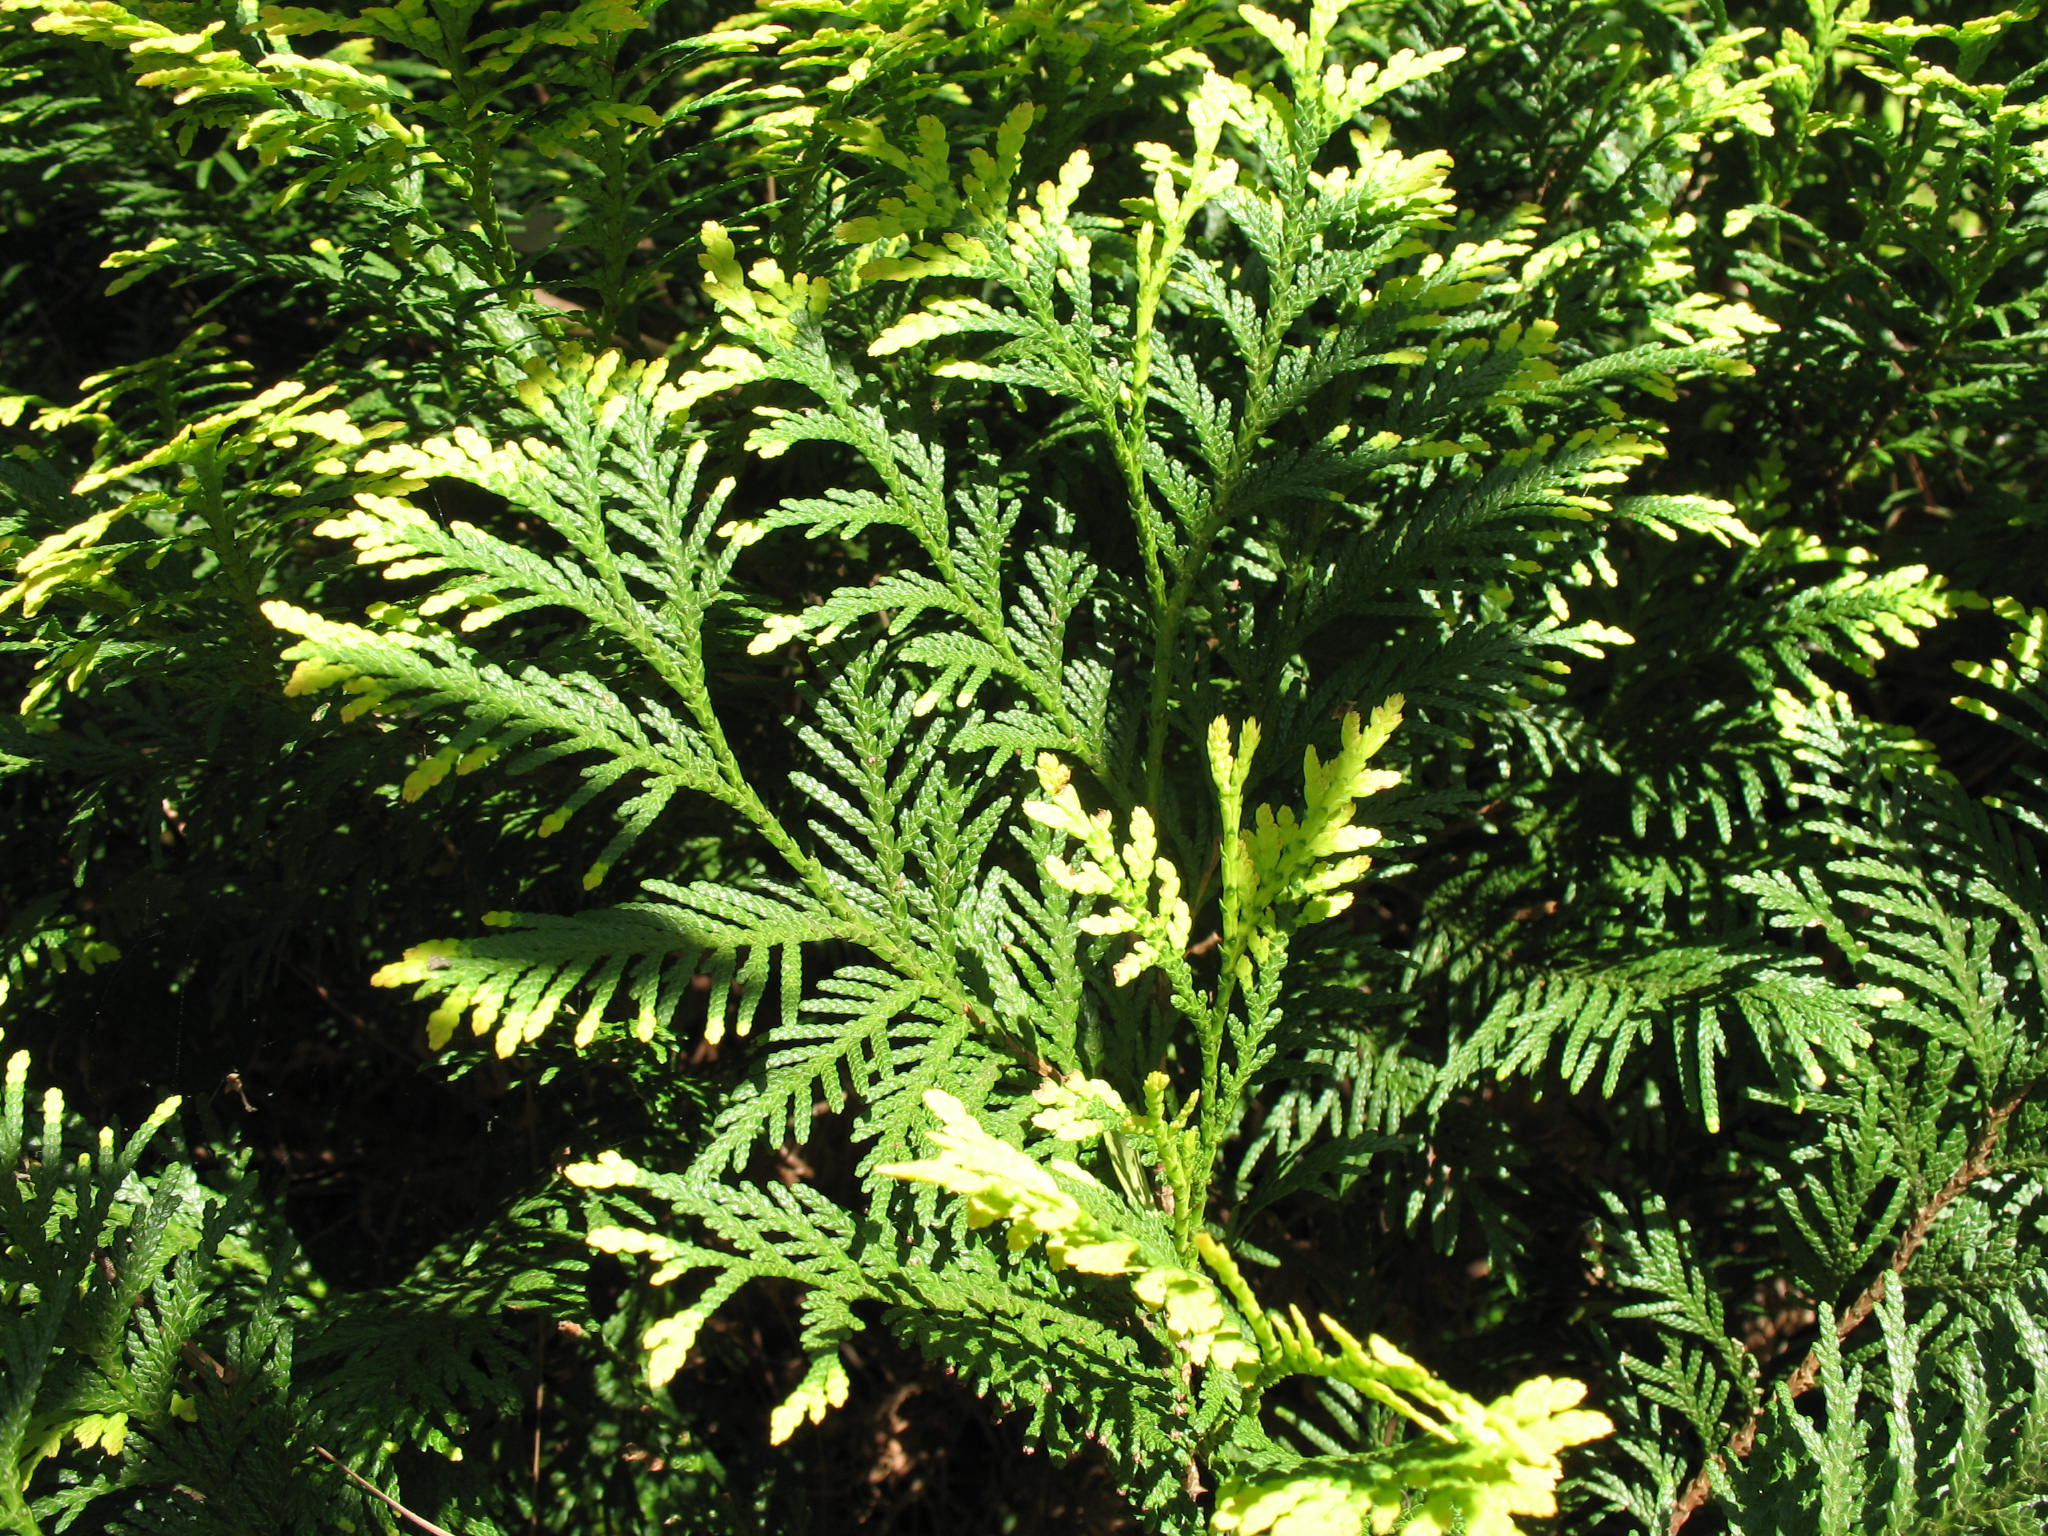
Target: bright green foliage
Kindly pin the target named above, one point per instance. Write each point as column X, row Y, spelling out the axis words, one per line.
column 897, row 854
column 1002, row 1184
column 887, row 493
column 1476, row 1468
column 1158, row 920
column 1271, row 884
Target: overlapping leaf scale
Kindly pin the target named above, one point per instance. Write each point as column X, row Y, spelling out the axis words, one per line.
column 1464, row 523
column 1852, row 619
column 648, row 955
column 865, row 1038
column 784, row 1231
column 1590, row 1022
column 427, row 671
column 1940, row 1424
column 1022, row 940
column 1081, row 1381
column 1339, row 1109
column 1846, row 1202
column 1937, row 895
column 1650, row 1252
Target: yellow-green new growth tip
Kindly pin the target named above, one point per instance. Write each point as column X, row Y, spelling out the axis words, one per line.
column 1476, row 1467
column 1158, row 921
column 1002, row 1183
column 822, row 1389
column 1079, row 1108
column 1286, row 872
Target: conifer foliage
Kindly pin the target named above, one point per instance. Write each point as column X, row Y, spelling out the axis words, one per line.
column 1346, row 708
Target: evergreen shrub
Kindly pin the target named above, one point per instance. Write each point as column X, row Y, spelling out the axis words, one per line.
column 1312, row 742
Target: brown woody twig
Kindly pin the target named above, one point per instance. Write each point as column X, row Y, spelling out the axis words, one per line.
column 371, row 1488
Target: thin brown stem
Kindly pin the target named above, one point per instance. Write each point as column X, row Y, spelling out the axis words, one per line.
column 540, row 1404
column 371, row 1488
column 1974, row 1167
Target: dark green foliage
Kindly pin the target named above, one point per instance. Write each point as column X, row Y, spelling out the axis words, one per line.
column 174, row 1365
